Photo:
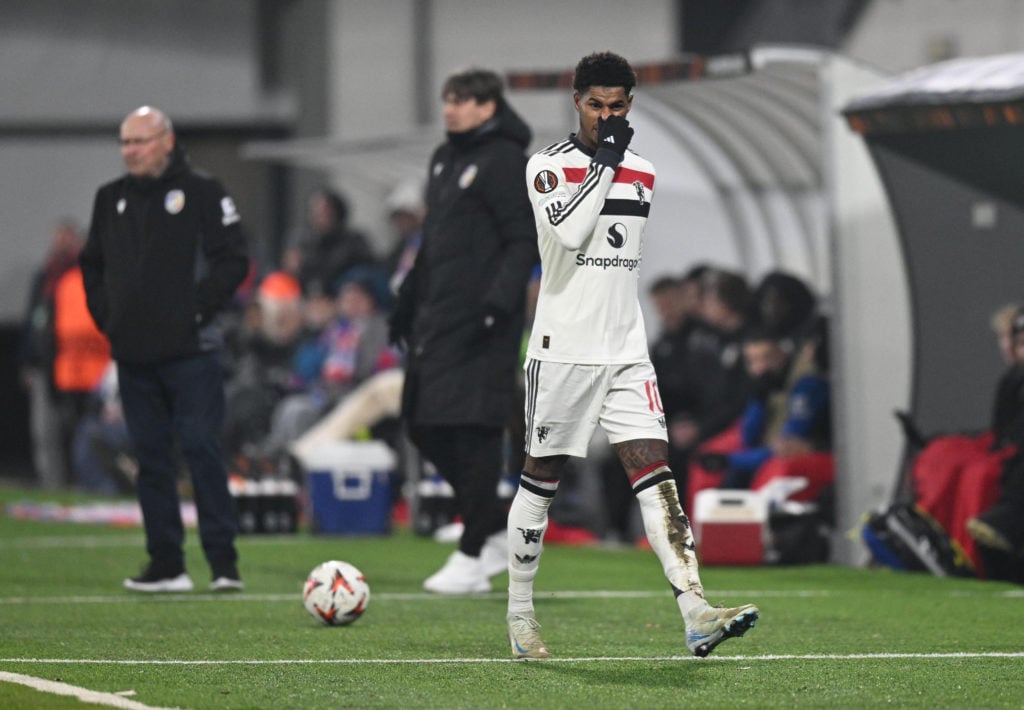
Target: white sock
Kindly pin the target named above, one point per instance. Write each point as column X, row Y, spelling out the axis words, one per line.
column 527, row 522
column 668, row 531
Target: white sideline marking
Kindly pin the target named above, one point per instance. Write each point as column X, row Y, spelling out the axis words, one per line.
column 84, row 694
column 67, row 542
column 392, row 596
column 424, row 596
column 589, row 659
column 123, row 540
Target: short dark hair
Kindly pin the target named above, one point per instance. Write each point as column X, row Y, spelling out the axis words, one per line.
column 664, row 283
column 695, row 273
column 481, row 85
column 728, row 287
column 603, row 69
column 336, row 201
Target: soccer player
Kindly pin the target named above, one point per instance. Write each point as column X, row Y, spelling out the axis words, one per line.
column 587, row 360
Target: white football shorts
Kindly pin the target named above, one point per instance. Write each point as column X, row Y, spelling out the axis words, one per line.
column 565, row 402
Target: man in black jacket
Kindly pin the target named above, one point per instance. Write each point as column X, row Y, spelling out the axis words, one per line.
column 165, row 253
column 460, row 314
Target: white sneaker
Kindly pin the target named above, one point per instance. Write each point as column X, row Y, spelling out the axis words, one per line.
column 524, row 636
column 227, row 584
column 713, row 624
column 461, row 574
column 494, row 554
column 152, row 581
column 452, row 532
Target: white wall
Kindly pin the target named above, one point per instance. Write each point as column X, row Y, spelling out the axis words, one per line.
column 45, row 179
column 872, row 347
column 898, row 35
column 75, row 63
column 373, row 67
column 372, row 57
column 72, row 70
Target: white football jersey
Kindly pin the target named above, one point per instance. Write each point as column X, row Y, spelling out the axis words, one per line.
column 590, row 225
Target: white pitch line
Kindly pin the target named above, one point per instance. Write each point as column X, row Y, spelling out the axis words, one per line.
column 423, row 596
column 84, row 694
column 72, row 541
column 394, row 596
column 582, row 659
column 128, row 539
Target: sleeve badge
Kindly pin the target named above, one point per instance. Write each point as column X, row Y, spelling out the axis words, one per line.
column 545, row 181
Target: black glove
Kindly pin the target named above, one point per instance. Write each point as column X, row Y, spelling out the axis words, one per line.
column 398, row 328
column 713, row 462
column 613, row 137
column 402, row 315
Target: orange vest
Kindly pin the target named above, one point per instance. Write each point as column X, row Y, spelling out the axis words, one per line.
column 82, row 351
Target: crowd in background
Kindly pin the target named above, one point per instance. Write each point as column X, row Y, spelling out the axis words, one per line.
column 743, row 372
column 737, row 362
column 743, row 375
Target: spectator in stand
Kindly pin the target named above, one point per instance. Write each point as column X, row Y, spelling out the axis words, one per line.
column 677, row 301
column 1002, row 326
column 1008, row 407
column 352, row 347
column 330, row 249
column 788, row 414
column 786, row 305
column 405, row 214
column 37, row 352
column 717, row 385
column 81, row 355
column 262, row 374
column 1000, row 527
column 103, row 456
column 378, row 398
column 669, row 299
column 957, row 477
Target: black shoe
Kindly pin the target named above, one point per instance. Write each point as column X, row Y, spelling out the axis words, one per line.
column 157, row 578
column 226, row 579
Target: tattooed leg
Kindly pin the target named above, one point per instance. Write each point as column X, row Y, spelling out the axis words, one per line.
column 665, row 522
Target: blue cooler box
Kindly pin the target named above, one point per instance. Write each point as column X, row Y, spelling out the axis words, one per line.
column 349, row 485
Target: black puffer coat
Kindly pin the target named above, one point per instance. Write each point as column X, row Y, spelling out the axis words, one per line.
column 479, row 246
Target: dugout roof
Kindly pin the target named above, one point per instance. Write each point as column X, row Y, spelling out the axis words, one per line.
column 963, row 118
column 947, row 140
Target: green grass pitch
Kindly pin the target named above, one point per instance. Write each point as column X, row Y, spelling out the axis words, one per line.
column 829, row 637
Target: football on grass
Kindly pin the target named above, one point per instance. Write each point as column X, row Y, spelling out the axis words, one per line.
column 336, row 593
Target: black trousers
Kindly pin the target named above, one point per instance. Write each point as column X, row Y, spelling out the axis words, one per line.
column 180, row 399
column 470, row 458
